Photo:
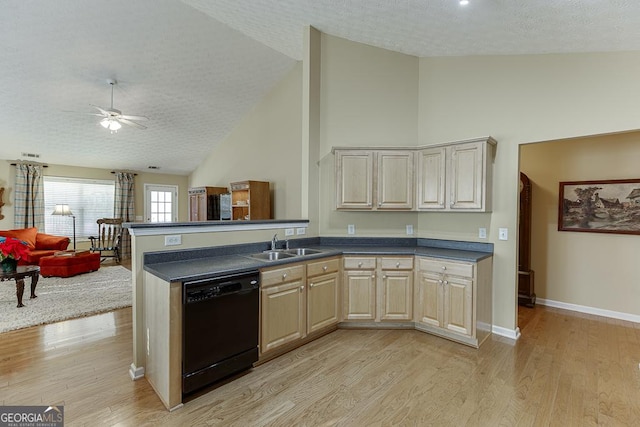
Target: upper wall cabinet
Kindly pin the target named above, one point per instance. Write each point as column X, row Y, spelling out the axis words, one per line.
column 448, row 177
column 369, row 179
column 456, row 177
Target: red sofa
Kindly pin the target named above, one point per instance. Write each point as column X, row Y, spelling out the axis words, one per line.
column 40, row 244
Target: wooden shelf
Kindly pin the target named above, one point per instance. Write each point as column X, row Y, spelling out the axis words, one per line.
column 250, row 200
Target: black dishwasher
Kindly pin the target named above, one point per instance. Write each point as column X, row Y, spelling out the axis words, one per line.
column 220, row 328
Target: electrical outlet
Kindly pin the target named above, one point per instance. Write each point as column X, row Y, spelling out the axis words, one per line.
column 288, row 231
column 351, row 229
column 482, row 233
column 173, row 240
column 503, row 234
column 409, row 229
column 301, row 230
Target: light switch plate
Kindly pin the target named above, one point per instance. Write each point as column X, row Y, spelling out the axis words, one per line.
column 409, row 229
column 503, row 233
column 482, row 233
column 351, row 229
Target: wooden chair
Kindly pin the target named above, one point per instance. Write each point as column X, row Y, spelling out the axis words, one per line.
column 108, row 239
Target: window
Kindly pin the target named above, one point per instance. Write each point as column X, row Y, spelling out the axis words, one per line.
column 160, row 203
column 88, row 200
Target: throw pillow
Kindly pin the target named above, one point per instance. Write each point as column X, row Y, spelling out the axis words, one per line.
column 27, row 235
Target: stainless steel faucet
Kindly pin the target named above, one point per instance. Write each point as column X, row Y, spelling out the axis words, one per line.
column 274, row 242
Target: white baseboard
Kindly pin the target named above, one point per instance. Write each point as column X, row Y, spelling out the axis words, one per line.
column 589, row 310
column 513, row 334
column 136, row 373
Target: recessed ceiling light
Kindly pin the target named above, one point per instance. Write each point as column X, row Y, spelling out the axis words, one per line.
column 464, row 2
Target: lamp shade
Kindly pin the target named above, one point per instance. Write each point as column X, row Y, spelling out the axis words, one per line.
column 62, row 210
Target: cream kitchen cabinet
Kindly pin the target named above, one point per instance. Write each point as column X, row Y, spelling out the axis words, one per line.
column 282, row 305
column 323, row 294
column 369, row 179
column 359, row 287
column 396, row 290
column 456, row 176
column 378, row 289
column 298, row 303
column 453, row 299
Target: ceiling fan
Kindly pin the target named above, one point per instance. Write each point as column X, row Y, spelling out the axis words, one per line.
column 113, row 118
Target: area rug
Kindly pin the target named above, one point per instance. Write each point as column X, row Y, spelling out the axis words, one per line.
column 65, row 298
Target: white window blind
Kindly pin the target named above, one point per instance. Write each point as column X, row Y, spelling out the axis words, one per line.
column 88, row 200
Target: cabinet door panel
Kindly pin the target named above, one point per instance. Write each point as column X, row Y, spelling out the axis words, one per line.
column 360, row 295
column 354, row 179
column 322, row 302
column 429, row 304
column 466, row 176
column 431, row 178
column 282, row 315
column 458, row 305
column 397, row 295
column 395, row 180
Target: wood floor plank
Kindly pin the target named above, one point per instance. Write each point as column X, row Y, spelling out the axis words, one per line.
column 568, row 369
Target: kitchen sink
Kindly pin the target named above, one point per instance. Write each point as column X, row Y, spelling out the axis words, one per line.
column 271, row 255
column 301, row 251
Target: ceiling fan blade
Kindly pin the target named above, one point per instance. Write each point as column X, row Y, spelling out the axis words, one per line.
column 104, row 112
column 130, row 123
column 127, row 117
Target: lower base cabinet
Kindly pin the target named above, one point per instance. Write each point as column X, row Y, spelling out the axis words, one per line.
column 298, row 301
column 453, row 299
column 282, row 298
column 378, row 289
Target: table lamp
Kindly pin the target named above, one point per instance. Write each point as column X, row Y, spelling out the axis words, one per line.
column 65, row 211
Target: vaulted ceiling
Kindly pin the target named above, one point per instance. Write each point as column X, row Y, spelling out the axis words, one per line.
column 196, row 67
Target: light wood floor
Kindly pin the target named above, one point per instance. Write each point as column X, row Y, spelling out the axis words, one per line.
column 567, row 369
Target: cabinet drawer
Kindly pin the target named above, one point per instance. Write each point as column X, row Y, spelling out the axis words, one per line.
column 397, row 263
column 329, row 265
column 462, row 269
column 360, row 263
column 282, row 275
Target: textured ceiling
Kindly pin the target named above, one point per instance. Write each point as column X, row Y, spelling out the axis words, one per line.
column 196, row 67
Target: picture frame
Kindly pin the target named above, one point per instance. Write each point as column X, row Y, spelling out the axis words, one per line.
column 605, row 206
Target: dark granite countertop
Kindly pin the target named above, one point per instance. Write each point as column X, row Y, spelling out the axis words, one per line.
column 196, row 264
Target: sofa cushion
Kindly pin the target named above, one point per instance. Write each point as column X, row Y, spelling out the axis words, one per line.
column 48, row 241
column 27, row 235
column 33, row 258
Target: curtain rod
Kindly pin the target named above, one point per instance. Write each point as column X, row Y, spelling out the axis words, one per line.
column 133, row 173
column 26, row 162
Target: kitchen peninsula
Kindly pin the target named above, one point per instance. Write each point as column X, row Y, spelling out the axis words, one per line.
column 436, row 286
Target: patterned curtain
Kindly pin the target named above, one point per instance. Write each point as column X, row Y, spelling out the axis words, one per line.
column 29, row 196
column 124, row 208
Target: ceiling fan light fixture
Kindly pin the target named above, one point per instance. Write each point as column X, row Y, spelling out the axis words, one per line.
column 111, row 124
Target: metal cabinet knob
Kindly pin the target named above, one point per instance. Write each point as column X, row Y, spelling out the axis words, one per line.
column 446, row 282
column 398, row 264
column 324, row 268
column 301, row 288
column 444, row 267
column 373, row 276
column 359, row 264
column 284, row 276
column 384, row 277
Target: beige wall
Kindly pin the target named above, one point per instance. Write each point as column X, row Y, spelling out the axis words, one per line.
column 589, row 269
column 265, row 146
column 517, row 100
column 368, row 97
column 7, row 179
